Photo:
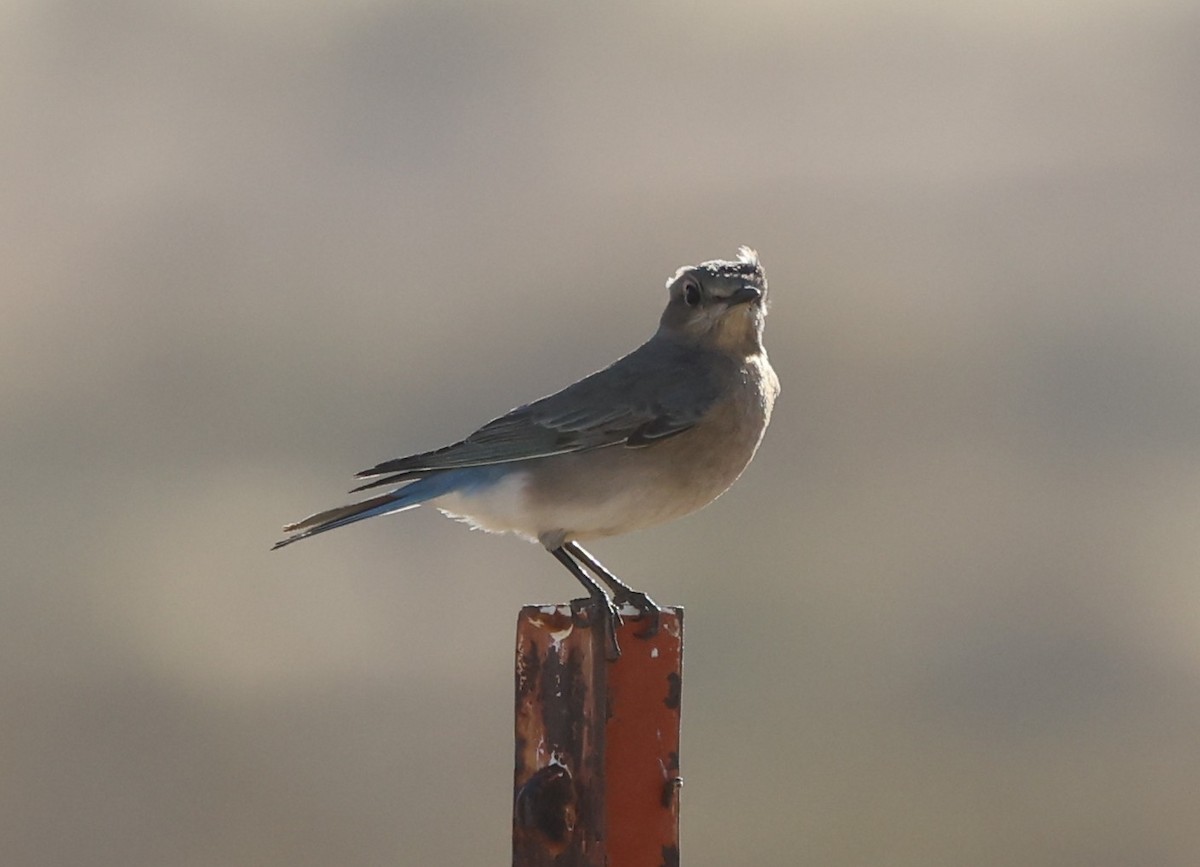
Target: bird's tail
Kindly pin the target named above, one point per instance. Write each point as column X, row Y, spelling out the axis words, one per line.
column 408, row 497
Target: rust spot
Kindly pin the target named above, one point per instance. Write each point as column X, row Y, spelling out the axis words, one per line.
column 563, row 688
column 546, row 803
column 528, row 664
column 674, row 690
column 670, row 788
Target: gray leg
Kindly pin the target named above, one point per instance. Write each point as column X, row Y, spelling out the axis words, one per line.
column 599, row 601
column 622, row 592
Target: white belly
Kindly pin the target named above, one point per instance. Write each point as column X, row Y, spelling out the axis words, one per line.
column 498, row 508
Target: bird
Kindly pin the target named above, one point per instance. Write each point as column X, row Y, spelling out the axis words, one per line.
column 658, row 434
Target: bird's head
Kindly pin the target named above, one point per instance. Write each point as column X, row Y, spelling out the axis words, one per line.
column 719, row 304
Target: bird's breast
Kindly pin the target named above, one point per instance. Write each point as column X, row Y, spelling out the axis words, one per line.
column 617, row 489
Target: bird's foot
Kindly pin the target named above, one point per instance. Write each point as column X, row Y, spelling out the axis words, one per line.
column 600, row 611
column 648, row 610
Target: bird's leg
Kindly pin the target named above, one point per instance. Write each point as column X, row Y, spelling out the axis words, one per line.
column 598, row 599
column 622, row 592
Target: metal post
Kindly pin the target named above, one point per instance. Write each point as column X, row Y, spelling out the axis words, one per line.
column 597, row 743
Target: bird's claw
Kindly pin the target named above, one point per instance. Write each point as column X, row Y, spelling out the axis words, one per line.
column 647, row 609
column 591, row 609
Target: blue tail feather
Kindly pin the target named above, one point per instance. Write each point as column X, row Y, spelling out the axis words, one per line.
column 408, row 497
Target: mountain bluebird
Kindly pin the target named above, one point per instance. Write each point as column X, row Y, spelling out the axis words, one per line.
column 653, row 436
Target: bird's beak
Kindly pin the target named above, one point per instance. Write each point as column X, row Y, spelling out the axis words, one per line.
column 744, row 295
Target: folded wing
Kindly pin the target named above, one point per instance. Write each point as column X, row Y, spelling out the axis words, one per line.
column 655, row 392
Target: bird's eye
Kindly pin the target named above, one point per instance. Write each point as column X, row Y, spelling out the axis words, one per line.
column 691, row 294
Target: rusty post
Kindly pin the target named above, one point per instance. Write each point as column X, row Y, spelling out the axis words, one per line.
column 597, row 743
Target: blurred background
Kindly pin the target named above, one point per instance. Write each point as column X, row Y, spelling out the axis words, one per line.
column 951, row 615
